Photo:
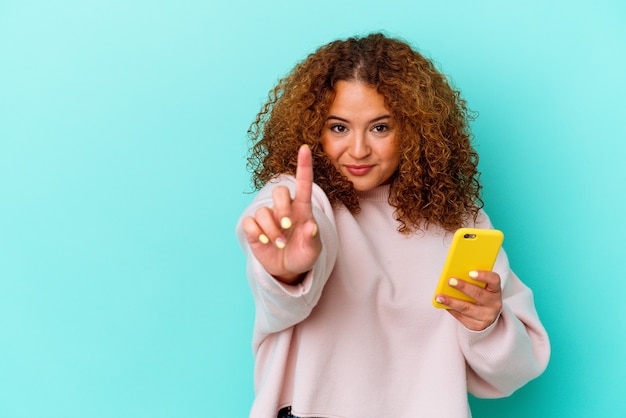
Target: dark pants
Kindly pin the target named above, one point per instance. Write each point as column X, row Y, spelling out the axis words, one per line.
column 285, row 413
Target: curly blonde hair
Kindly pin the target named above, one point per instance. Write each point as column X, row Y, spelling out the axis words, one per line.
column 437, row 180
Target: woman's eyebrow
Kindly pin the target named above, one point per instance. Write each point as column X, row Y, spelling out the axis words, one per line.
column 376, row 119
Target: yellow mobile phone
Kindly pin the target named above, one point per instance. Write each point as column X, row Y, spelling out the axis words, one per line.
column 471, row 249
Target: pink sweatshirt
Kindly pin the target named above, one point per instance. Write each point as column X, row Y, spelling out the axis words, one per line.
column 359, row 337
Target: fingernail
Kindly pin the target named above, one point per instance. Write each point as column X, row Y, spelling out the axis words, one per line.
column 473, row 274
column 314, row 233
column 453, row 282
column 285, row 222
column 439, row 299
column 264, row 239
column 280, row 243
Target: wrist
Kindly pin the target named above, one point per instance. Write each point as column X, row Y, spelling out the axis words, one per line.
column 290, row 279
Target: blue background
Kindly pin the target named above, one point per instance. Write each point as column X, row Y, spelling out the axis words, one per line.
column 122, row 174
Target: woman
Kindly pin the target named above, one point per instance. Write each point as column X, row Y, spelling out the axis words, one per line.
column 364, row 162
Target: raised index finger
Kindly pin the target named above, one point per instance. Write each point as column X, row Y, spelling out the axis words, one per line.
column 304, row 175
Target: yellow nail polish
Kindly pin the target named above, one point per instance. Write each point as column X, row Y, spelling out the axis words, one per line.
column 264, row 239
column 280, row 243
column 453, row 282
column 285, row 223
column 473, row 274
column 315, row 231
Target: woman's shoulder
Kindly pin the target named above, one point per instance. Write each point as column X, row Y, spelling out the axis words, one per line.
column 280, row 180
column 482, row 220
column 318, row 196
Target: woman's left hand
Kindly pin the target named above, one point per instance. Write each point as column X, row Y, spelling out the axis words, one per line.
column 476, row 316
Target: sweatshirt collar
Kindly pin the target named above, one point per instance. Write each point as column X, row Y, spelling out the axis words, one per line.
column 378, row 194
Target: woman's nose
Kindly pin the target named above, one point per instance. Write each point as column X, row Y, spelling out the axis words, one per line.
column 359, row 147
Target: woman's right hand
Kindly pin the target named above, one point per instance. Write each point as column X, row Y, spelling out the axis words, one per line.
column 284, row 238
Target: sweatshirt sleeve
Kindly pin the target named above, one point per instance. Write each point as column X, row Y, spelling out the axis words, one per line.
column 514, row 349
column 278, row 305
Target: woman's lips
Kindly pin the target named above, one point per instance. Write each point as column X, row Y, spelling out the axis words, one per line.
column 359, row 169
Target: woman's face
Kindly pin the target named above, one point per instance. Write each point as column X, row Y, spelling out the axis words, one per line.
column 359, row 136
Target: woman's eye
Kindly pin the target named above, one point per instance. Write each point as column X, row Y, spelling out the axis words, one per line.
column 338, row 128
column 380, row 128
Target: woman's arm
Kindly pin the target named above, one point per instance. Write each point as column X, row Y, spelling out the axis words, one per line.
column 514, row 349
column 288, row 261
